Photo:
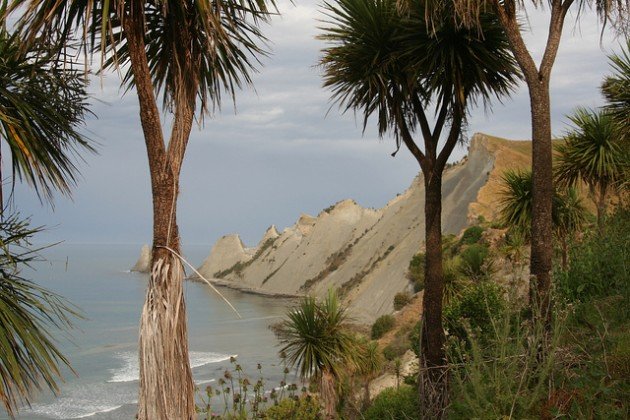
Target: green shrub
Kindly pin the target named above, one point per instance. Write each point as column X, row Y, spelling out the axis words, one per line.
column 415, row 271
column 474, row 309
column 414, row 338
column 304, row 407
column 454, row 282
column 394, row 404
column 619, row 358
column 503, row 375
column 472, row 235
column 473, row 260
column 599, row 265
column 382, row 324
column 398, row 346
column 401, row 300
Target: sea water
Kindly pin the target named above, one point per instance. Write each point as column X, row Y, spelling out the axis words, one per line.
column 102, row 348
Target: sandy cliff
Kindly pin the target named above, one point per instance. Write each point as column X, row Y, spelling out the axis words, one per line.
column 364, row 253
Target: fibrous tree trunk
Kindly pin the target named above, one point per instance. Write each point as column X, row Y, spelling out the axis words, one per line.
column 166, row 383
column 433, row 376
column 542, row 197
column 328, row 394
column 602, row 196
column 433, row 372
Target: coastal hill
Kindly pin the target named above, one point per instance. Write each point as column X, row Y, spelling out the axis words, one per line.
column 365, row 253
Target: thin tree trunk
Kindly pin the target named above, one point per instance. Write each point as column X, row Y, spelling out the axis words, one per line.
column 601, row 207
column 366, row 394
column 166, row 384
column 328, row 394
column 542, row 196
column 537, row 79
column 433, row 373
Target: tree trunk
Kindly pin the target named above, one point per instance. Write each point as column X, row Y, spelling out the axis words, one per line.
column 542, row 196
column 166, row 383
column 433, row 373
column 366, row 394
column 537, row 79
column 329, row 394
column 601, row 207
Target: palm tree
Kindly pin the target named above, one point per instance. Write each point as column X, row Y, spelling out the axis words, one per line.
column 369, row 364
column 317, row 340
column 43, row 103
column 568, row 213
column 592, row 154
column 538, row 78
column 384, row 62
column 42, row 107
column 189, row 52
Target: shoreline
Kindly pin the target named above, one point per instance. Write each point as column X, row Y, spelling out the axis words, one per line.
column 245, row 289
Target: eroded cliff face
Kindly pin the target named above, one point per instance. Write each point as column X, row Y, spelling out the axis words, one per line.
column 364, row 253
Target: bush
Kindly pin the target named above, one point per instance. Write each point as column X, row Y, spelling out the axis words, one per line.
column 382, row 324
column 398, row 346
column 394, row 404
column 454, row 282
column 503, row 376
column 472, row 235
column 473, row 260
column 303, row 407
column 474, row 309
column 401, row 300
column 415, row 272
column 599, row 265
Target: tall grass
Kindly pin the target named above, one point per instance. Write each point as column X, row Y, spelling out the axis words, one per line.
column 504, row 371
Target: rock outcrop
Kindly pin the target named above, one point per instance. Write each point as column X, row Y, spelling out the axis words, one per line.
column 364, row 253
column 143, row 265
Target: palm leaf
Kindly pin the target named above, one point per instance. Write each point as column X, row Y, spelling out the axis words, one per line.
column 42, row 107
column 29, row 357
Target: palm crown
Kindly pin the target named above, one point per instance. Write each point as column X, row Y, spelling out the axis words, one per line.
column 222, row 40
column 379, row 60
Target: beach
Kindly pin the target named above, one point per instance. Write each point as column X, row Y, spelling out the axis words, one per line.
column 102, row 348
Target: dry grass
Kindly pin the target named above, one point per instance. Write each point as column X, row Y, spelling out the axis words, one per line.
column 508, row 154
column 164, row 366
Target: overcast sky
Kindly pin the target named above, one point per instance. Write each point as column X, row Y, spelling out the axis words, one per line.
column 283, row 152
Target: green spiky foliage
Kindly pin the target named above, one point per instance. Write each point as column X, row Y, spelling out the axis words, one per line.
column 568, row 212
column 224, row 40
column 592, row 153
column 616, row 89
column 29, row 315
column 43, row 105
column 516, row 199
column 316, row 339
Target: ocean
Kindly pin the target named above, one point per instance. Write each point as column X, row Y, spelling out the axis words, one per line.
column 102, row 348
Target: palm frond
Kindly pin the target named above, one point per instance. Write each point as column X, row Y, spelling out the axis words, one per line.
column 383, row 61
column 592, row 151
column 43, row 104
column 29, row 357
column 315, row 337
column 223, row 41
